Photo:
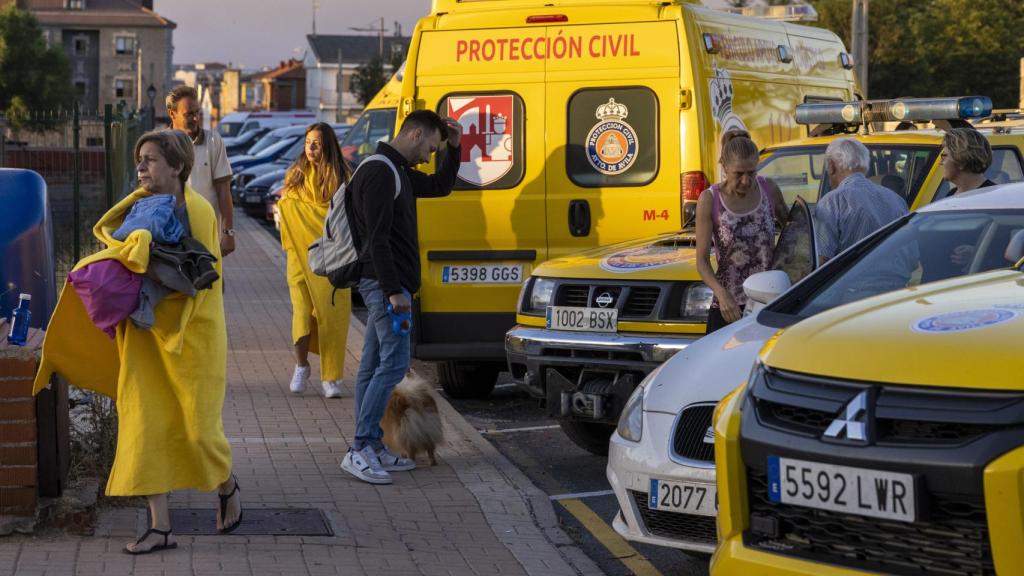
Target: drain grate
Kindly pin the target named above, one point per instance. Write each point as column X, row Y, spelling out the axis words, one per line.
column 255, row 522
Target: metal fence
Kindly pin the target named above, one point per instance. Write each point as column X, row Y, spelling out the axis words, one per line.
column 86, row 160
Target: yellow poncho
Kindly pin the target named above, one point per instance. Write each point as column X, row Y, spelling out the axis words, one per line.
column 317, row 311
column 168, row 381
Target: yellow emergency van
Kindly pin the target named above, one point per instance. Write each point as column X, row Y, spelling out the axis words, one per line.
column 884, row 435
column 585, row 123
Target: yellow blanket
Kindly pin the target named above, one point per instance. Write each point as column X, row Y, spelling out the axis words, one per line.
column 168, row 382
column 317, row 311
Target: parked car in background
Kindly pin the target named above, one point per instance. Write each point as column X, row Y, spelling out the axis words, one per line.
column 243, row 142
column 268, row 154
column 253, row 198
column 880, row 432
column 664, row 447
column 262, row 176
column 231, row 124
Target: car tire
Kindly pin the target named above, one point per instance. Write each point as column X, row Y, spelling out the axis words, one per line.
column 468, row 380
column 591, row 436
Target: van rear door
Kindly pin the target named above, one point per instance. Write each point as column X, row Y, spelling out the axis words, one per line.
column 479, row 244
column 612, row 133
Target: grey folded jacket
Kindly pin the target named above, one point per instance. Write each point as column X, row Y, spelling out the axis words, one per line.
column 185, row 267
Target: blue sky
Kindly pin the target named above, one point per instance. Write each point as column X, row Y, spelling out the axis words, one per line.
column 253, row 34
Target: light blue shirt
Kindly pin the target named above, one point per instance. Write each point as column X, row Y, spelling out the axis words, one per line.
column 854, row 210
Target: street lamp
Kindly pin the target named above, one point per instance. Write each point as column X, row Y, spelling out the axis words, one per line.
column 151, row 93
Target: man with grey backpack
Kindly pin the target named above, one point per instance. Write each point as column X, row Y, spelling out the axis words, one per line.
column 384, row 221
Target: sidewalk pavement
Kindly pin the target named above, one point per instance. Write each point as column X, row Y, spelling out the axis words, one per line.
column 473, row 513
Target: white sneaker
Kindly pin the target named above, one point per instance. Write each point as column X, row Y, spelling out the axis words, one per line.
column 332, row 388
column 299, row 379
column 393, row 462
column 363, row 464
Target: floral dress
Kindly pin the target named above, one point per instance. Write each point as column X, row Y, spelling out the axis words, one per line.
column 743, row 242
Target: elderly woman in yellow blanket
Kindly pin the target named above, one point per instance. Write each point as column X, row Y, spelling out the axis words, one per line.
column 168, row 381
column 319, row 315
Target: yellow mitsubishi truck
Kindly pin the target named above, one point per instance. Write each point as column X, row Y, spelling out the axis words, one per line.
column 586, row 122
column 886, row 435
column 590, row 326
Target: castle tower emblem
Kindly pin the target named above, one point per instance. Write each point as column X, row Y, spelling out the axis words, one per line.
column 612, row 143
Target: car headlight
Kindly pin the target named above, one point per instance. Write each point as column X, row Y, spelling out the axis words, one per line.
column 540, row 296
column 696, row 302
column 631, row 423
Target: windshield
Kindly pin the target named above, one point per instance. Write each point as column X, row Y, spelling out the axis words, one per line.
column 276, row 148
column 264, row 143
column 372, row 127
column 293, row 153
column 229, row 129
column 926, row 247
column 800, row 170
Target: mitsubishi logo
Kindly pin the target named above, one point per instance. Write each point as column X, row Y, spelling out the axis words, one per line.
column 604, row 300
column 852, row 423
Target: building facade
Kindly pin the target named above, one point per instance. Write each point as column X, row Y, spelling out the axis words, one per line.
column 117, row 49
column 329, row 53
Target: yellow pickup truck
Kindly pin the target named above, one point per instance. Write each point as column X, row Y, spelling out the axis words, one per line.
column 884, row 435
column 592, row 325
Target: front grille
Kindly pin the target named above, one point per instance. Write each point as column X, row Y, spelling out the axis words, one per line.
column 795, row 418
column 952, row 539
column 692, row 427
column 641, row 301
column 572, row 295
column 903, row 415
column 675, row 525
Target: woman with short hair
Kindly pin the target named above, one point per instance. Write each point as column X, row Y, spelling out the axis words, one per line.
column 168, row 380
column 965, row 157
column 320, row 314
column 737, row 216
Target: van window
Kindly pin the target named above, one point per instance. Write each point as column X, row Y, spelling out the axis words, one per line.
column 372, row 127
column 492, row 139
column 229, row 129
column 250, row 125
column 800, row 171
column 613, row 137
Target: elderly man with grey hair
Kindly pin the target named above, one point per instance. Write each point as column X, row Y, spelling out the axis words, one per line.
column 855, row 207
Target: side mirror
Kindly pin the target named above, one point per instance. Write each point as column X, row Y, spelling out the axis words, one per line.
column 766, row 286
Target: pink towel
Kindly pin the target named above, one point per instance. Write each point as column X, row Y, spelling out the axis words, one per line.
column 109, row 291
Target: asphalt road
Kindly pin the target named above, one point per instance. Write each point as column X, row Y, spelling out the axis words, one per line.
column 516, row 425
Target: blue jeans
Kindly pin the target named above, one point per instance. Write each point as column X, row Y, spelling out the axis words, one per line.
column 383, row 365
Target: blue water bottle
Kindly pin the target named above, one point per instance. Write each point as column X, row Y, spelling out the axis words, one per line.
column 401, row 323
column 18, row 335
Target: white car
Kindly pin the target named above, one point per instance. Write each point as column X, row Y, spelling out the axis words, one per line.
column 661, row 457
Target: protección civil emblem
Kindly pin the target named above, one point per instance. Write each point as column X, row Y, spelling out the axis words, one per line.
column 612, row 144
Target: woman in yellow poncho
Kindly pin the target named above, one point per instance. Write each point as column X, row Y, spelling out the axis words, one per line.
column 319, row 315
column 168, row 381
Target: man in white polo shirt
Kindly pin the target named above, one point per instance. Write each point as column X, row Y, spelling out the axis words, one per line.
column 211, row 173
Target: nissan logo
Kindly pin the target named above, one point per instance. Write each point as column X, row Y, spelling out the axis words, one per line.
column 604, row 300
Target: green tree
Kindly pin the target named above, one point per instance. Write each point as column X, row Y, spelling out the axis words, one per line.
column 32, row 76
column 368, row 80
column 937, row 48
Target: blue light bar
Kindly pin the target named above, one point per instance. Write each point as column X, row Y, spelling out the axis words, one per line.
column 899, row 110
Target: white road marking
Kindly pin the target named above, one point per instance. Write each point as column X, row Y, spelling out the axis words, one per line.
column 583, row 495
column 524, row 429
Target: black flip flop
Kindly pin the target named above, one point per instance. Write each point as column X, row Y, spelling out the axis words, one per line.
column 224, row 508
column 157, row 548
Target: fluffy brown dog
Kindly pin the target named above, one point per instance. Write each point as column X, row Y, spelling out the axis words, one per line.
column 411, row 422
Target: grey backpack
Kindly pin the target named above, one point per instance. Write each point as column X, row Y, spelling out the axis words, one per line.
column 336, row 254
